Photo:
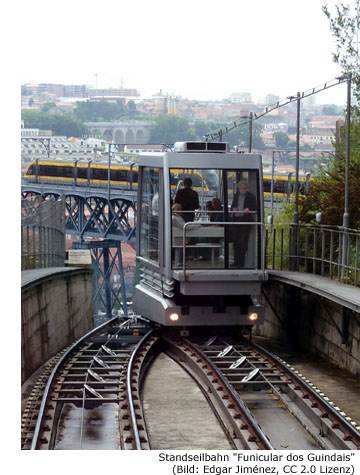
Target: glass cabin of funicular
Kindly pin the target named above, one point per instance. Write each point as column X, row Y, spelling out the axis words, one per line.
column 215, row 225
column 218, row 225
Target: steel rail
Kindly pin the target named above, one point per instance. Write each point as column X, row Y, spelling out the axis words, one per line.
column 350, row 433
column 346, row 427
column 54, row 373
column 134, row 423
column 259, row 438
column 34, row 400
column 87, row 377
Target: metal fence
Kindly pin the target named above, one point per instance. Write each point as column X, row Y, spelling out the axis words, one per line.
column 42, row 233
column 329, row 251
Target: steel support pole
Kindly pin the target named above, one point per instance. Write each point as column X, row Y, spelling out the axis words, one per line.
column 81, row 218
column 122, row 281
column 296, row 206
column 346, row 215
column 272, row 185
column 107, row 283
column 109, row 176
column 250, row 131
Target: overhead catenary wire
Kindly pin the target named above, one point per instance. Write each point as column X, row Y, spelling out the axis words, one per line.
column 282, row 103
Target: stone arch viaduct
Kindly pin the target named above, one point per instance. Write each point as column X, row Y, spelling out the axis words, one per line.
column 131, row 131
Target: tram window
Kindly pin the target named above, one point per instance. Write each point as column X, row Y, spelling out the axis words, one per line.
column 267, row 186
column 135, row 177
column 99, row 174
column 280, row 186
column 31, row 170
column 68, row 172
column 119, row 175
column 46, row 170
column 82, row 173
column 149, row 214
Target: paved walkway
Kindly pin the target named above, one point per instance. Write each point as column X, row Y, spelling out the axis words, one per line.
column 340, row 386
column 33, row 275
column 345, row 295
column 176, row 412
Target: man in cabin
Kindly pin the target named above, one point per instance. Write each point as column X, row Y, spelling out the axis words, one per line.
column 188, row 199
column 243, row 209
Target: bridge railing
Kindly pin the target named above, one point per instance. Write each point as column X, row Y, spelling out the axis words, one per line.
column 328, row 251
column 42, row 233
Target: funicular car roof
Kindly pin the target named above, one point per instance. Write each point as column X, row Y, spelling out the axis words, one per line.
column 202, row 160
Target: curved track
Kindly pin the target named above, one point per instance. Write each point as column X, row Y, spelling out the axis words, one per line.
column 292, row 413
column 88, row 401
column 92, row 394
column 238, row 423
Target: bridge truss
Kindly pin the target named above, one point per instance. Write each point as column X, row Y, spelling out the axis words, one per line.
column 102, row 226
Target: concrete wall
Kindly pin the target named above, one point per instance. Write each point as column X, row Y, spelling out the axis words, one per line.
column 312, row 323
column 56, row 310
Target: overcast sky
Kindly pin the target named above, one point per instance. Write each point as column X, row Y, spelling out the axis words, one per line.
column 201, row 49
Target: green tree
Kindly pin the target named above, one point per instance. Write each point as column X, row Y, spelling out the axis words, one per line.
column 47, row 107
column 202, row 128
column 169, row 129
column 345, row 26
column 240, row 136
column 131, row 109
column 59, row 124
column 281, row 139
column 94, row 111
column 327, row 190
column 332, row 109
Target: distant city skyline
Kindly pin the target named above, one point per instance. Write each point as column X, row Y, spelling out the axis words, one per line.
column 198, row 50
column 316, row 98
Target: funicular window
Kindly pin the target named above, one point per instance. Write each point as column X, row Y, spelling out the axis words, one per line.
column 177, row 177
column 219, row 219
column 242, row 236
column 149, row 214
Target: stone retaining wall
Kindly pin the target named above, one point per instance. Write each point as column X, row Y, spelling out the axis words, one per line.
column 312, row 323
column 56, row 310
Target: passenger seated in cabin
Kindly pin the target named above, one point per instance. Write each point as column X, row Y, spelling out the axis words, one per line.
column 242, row 208
column 217, row 211
column 188, row 199
column 177, row 224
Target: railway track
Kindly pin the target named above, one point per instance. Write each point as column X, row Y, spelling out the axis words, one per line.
column 292, row 414
column 92, row 394
column 89, row 396
column 239, row 425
